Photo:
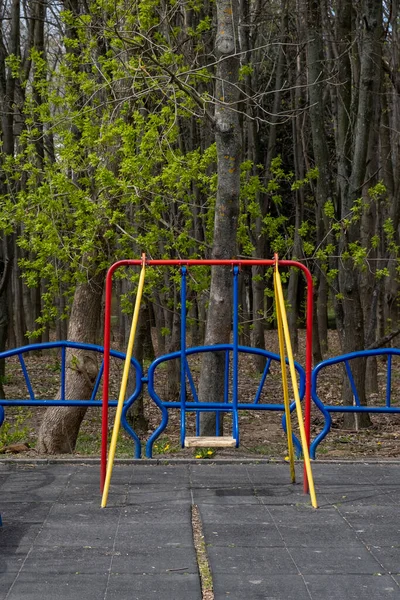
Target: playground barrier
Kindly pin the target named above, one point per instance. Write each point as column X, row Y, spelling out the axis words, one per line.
column 63, row 400
column 357, row 407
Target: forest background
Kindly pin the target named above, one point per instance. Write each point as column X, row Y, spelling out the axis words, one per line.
column 197, row 129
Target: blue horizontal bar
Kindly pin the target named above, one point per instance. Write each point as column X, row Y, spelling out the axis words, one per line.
column 367, row 409
column 55, row 402
column 212, row 406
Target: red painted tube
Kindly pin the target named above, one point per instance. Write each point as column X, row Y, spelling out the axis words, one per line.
column 188, row 263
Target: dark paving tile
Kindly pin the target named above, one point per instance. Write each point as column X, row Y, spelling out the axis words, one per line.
column 11, row 561
column 67, row 560
column 242, row 535
column 56, row 586
column 250, row 561
column 375, row 525
column 305, row 535
column 233, row 513
column 24, row 512
column 57, row 533
column 352, row 587
column 6, row 581
column 215, row 473
column 225, row 495
column 160, row 496
column 153, row 513
column 351, row 558
column 354, row 496
column 388, row 557
column 271, row 474
column 153, row 587
column 155, row 560
column 270, row 587
column 18, row 535
column 166, row 535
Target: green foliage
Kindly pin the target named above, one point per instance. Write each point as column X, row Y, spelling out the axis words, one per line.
column 17, row 430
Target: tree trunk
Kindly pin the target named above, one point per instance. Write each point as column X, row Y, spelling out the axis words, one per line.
column 60, row 426
column 352, row 334
column 228, row 141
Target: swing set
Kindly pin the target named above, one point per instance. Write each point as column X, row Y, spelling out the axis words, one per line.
column 300, row 378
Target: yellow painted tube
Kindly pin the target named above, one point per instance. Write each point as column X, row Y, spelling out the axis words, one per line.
column 124, row 383
column 292, row 369
column 284, row 381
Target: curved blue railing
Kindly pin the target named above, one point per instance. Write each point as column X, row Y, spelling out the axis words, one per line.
column 327, row 409
column 63, row 401
column 217, row 407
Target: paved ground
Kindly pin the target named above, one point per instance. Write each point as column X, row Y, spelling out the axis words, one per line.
column 263, row 539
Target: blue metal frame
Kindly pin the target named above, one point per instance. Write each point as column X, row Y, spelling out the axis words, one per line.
column 64, row 345
column 195, row 405
column 326, row 409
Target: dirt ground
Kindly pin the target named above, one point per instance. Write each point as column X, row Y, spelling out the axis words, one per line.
column 261, row 433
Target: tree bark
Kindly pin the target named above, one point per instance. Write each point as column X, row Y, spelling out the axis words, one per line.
column 228, row 141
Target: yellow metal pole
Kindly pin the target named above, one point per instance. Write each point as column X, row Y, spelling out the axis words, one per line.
column 284, row 381
column 124, row 383
column 292, row 369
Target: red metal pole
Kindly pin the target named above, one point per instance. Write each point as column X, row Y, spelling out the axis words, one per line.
column 106, row 376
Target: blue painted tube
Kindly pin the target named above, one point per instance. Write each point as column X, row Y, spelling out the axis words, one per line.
column 63, row 356
column 352, row 383
column 183, row 355
column 262, row 380
column 18, row 402
column 389, row 380
column 26, row 376
column 226, row 377
column 97, row 382
column 130, row 431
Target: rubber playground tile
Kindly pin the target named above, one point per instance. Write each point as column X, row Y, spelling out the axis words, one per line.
column 18, row 536
column 234, row 513
column 253, row 587
column 282, row 494
column 299, row 515
column 242, row 534
column 173, row 586
column 157, row 534
column 151, row 513
column 305, row 535
column 11, row 561
column 250, row 561
column 272, row 474
column 67, row 560
column 6, row 581
column 83, row 513
column 353, row 587
column 225, row 495
column 152, row 560
column 159, row 496
column 388, row 557
column 350, row 559
column 211, row 473
column 57, row 533
column 58, row 586
column 24, row 512
column 160, row 474
column 354, row 497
